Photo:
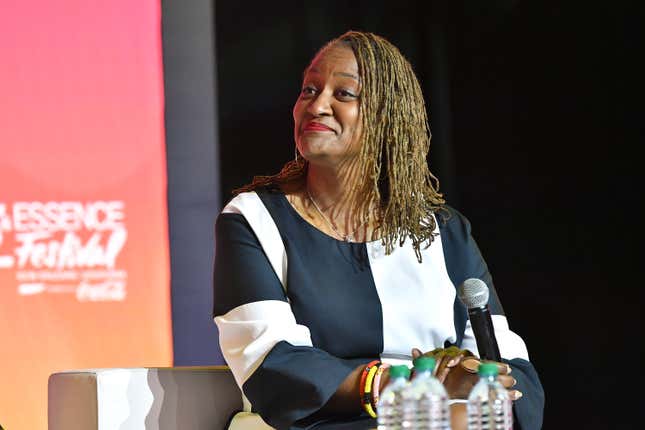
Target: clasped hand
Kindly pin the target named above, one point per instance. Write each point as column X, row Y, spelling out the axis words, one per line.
column 457, row 370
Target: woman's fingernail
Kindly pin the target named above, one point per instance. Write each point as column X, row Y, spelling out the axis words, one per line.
column 470, row 364
column 515, row 394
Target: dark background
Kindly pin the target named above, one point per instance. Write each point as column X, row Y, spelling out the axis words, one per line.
column 534, row 113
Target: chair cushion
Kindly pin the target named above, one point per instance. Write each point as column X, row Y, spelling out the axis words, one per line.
column 142, row 398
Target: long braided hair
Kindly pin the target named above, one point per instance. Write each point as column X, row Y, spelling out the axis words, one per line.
column 394, row 144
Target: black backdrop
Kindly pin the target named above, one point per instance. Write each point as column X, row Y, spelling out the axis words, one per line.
column 532, row 109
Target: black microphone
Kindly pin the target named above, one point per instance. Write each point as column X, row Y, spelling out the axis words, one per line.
column 473, row 293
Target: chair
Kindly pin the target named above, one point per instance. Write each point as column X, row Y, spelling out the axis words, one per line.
column 185, row 398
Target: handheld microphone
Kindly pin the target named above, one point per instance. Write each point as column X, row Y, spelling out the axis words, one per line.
column 473, row 293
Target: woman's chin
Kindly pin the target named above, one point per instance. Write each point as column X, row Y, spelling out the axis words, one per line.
column 317, row 157
column 316, row 150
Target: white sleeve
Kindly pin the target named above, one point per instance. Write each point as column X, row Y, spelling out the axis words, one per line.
column 510, row 344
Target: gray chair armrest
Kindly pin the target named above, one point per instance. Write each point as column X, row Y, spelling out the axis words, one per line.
column 143, row 398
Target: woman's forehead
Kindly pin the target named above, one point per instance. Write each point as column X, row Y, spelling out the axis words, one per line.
column 336, row 58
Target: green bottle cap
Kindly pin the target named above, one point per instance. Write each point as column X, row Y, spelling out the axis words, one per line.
column 422, row 364
column 399, row 371
column 488, row 369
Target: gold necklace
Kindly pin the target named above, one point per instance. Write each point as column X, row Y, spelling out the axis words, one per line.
column 349, row 237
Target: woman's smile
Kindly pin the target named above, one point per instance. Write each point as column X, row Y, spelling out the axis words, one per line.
column 314, row 126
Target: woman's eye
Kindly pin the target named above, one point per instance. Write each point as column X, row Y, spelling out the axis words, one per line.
column 307, row 91
column 346, row 94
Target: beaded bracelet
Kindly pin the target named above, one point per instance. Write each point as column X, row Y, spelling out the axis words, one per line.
column 377, row 384
column 369, row 386
column 365, row 396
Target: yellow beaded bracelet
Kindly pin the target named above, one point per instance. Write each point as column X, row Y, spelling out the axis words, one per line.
column 367, row 397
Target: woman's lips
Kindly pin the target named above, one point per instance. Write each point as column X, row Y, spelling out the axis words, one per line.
column 316, row 126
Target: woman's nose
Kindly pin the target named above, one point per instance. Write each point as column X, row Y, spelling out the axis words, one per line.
column 321, row 105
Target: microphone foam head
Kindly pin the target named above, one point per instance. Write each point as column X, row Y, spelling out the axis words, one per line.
column 473, row 293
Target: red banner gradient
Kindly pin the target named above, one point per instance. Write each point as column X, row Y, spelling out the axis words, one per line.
column 84, row 271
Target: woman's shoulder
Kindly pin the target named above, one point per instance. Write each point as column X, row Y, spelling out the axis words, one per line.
column 250, row 200
column 451, row 219
column 250, row 212
column 241, row 202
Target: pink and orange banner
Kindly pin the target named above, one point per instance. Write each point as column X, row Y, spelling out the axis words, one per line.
column 84, row 264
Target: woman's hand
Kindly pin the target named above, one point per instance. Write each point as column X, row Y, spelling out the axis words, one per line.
column 446, row 359
column 457, row 380
column 471, row 364
column 457, row 370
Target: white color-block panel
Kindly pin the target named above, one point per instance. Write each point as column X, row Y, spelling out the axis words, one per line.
column 417, row 298
column 256, row 214
column 248, row 332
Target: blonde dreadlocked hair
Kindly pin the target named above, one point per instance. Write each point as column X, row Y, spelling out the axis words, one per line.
column 394, row 144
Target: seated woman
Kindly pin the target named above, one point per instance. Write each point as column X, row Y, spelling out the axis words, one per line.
column 350, row 256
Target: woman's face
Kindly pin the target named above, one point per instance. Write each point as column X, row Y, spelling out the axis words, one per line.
column 327, row 113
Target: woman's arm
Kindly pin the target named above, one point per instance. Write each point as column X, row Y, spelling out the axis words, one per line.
column 272, row 357
column 463, row 261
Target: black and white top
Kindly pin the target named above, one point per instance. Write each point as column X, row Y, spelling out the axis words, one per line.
column 297, row 310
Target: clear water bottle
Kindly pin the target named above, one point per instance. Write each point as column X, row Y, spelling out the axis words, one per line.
column 489, row 406
column 390, row 402
column 425, row 400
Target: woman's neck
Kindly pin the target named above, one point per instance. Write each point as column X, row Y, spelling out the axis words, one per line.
column 331, row 188
column 327, row 200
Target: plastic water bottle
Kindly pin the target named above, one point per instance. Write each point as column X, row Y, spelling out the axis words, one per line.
column 390, row 402
column 425, row 400
column 489, row 406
